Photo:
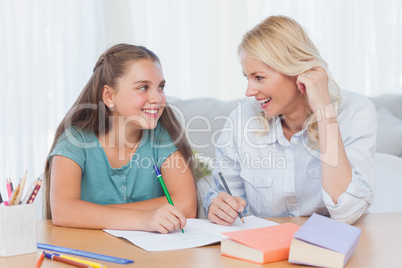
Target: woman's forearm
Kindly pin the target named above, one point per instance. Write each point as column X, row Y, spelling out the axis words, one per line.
column 336, row 170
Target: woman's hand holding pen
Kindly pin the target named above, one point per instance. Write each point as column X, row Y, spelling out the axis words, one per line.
column 224, row 208
column 164, row 219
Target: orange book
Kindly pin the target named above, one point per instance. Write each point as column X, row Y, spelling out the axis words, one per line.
column 260, row 245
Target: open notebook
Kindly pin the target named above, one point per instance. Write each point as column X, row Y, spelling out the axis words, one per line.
column 197, row 233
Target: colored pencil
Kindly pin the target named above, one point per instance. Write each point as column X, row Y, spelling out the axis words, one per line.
column 84, row 253
column 90, row 263
column 9, row 190
column 11, row 185
column 159, row 176
column 30, row 191
column 67, row 261
column 40, row 259
column 22, row 186
column 35, row 192
column 14, row 195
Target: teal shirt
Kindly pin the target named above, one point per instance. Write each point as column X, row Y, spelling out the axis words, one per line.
column 102, row 184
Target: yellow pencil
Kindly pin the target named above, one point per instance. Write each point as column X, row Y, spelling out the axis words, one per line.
column 18, row 199
column 14, row 195
column 93, row 264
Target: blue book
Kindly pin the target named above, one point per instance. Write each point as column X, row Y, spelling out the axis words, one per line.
column 324, row 242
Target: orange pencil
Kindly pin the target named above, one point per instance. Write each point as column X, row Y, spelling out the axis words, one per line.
column 60, row 259
column 40, row 259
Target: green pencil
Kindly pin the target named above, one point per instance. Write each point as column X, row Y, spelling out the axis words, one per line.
column 159, row 176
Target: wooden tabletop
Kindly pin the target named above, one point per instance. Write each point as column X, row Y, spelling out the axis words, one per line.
column 380, row 246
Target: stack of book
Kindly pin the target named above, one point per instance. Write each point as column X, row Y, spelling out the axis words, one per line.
column 320, row 241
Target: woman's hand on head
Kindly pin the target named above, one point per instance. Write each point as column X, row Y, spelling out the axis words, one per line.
column 314, row 82
column 224, row 208
column 164, row 219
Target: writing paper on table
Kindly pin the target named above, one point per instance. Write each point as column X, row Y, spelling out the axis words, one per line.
column 197, row 233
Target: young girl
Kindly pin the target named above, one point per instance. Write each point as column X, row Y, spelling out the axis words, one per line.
column 99, row 172
column 303, row 146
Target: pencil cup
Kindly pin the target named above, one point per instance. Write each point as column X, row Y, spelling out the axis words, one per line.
column 17, row 230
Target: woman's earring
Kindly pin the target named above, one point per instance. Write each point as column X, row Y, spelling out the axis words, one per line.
column 110, row 107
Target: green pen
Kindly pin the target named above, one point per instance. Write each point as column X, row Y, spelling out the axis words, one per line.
column 159, row 176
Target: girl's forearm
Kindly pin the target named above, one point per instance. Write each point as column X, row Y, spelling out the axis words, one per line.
column 82, row 214
column 186, row 204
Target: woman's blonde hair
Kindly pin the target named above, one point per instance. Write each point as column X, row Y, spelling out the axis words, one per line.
column 281, row 43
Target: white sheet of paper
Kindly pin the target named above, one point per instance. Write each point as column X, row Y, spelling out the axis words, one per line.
column 197, row 233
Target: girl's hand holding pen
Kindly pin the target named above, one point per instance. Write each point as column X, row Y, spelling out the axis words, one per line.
column 224, row 208
column 164, row 219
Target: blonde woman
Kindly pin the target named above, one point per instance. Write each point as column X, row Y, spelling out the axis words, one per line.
column 99, row 172
column 303, row 146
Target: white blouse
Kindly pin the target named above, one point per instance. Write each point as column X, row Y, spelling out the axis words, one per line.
column 279, row 178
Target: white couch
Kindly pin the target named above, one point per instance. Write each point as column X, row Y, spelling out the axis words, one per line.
column 204, row 117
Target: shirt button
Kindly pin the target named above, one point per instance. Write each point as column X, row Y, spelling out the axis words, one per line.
column 124, row 187
column 125, row 197
column 123, row 176
column 295, row 142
